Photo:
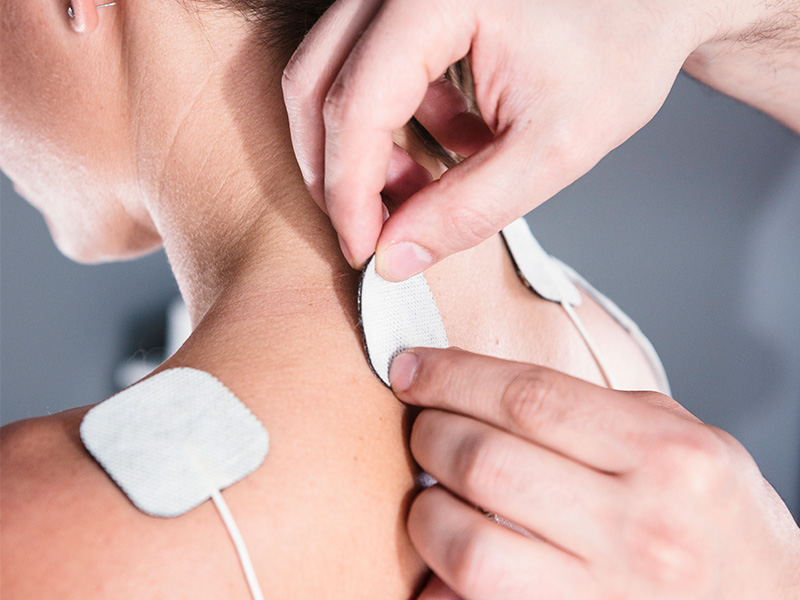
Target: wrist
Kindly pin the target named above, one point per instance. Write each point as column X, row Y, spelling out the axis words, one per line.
column 751, row 53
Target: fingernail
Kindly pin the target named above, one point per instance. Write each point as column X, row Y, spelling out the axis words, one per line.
column 403, row 370
column 385, row 212
column 346, row 252
column 404, row 259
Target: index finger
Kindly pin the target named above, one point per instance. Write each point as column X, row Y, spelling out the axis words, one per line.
column 308, row 77
column 606, row 429
column 378, row 90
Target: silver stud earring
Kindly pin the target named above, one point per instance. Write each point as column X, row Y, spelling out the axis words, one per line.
column 71, row 11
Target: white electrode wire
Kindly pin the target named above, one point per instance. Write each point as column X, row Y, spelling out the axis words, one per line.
column 576, row 320
column 238, row 542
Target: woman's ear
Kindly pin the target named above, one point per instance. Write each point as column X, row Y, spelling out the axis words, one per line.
column 82, row 15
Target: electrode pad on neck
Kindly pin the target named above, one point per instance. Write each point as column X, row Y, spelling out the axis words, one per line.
column 398, row 316
column 395, row 317
column 174, row 441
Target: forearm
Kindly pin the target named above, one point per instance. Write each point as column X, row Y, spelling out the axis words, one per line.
column 759, row 63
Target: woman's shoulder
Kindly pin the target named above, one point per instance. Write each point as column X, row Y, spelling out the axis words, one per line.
column 33, row 453
column 43, row 494
column 68, row 532
column 328, row 502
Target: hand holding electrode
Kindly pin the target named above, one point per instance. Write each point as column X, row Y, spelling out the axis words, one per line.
column 627, row 494
column 558, row 85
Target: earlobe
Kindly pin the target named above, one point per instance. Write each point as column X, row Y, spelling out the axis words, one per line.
column 83, row 16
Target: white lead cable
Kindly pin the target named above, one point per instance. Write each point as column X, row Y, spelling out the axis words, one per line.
column 238, row 542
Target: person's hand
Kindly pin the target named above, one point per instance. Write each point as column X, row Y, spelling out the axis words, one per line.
column 558, row 83
column 627, row 495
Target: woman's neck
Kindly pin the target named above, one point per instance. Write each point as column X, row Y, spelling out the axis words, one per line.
column 246, row 238
column 226, row 195
column 258, row 263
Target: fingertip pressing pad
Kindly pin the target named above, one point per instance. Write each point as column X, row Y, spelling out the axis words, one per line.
column 173, row 439
column 395, row 317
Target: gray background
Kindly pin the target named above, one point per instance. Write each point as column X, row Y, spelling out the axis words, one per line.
column 692, row 226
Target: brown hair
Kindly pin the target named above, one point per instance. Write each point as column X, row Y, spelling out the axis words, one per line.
column 284, row 23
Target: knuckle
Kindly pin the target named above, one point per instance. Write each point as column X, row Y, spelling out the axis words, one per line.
column 294, row 80
column 662, row 401
column 687, row 468
column 526, row 399
column 470, row 225
column 483, row 465
column 666, row 551
column 339, row 106
column 288, row 79
column 694, row 462
column 656, row 399
column 732, row 448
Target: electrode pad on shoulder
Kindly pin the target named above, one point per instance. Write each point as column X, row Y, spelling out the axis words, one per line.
column 537, row 269
column 174, row 441
column 395, row 317
column 173, row 438
column 544, row 275
column 553, row 280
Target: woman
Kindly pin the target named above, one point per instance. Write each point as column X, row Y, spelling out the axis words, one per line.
column 156, row 122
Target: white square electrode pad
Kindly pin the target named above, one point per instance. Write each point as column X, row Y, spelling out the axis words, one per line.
column 174, row 439
column 395, row 317
column 537, row 269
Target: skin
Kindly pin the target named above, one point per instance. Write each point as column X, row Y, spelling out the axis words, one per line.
column 682, row 512
column 558, row 85
column 156, row 123
column 627, row 495
column 67, row 162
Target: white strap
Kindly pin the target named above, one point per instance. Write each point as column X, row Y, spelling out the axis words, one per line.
column 576, row 320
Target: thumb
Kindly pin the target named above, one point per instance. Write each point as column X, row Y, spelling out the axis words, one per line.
column 467, row 205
